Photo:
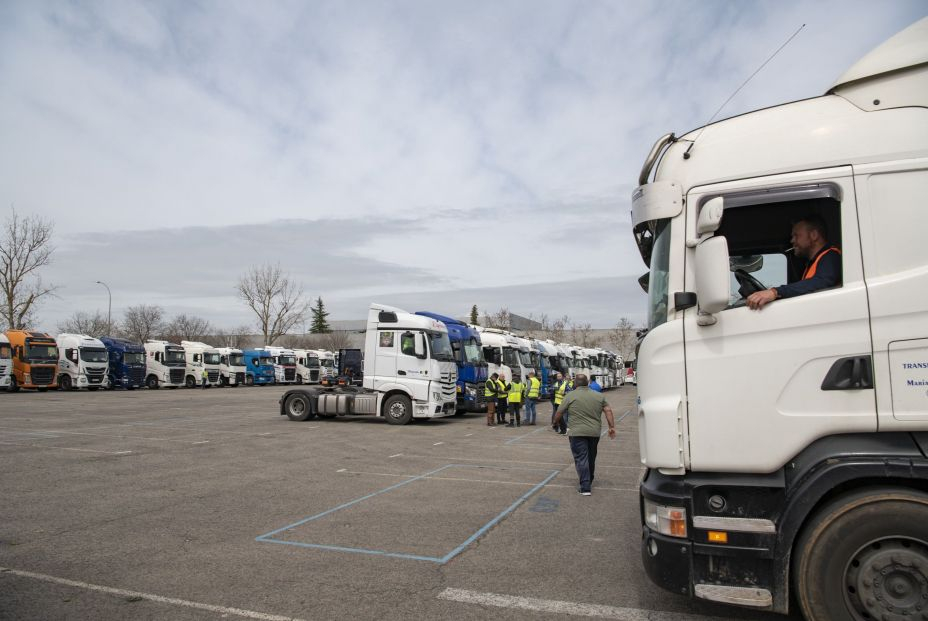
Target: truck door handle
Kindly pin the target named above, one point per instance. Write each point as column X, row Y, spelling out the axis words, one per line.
column 851, row 373
column 401, row 372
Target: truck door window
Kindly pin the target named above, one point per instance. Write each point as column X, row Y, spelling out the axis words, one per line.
column 386, row 340
column 408, row 344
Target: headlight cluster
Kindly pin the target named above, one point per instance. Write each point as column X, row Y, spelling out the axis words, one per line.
column 665, row 520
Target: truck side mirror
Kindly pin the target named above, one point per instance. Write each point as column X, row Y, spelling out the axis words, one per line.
column 74, row 355
column 712, row 275
column 420, row 346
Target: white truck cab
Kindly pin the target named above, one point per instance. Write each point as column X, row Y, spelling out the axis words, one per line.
column 284, row 363
column 495, row 344
column 165, row 364
column 409, row 372
column 786, row 447
column 6, row 362
column 231, row 366
column 307, row 366
column 327, row 368
column 201, row 356
column 83, row 362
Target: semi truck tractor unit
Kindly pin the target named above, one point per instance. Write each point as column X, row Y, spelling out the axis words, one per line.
column 165, row 364
column 284, row 364
column 409, row 372
column 493, row 343
column 83, row 362
column 307, row 366
column 6, row 362
column 468, row 356
column 35, row 360
column 783, row 416
column 231, row 366
column 200, row 357
column 126, row 363
column 327, row 368
column 259, row 367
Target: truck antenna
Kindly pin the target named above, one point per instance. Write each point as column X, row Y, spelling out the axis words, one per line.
column 686, row 154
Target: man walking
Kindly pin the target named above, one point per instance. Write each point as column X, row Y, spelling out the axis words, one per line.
column 531, row 398
column 561, row 388
column 585, row 408
column 490, row 388
column 516, row 391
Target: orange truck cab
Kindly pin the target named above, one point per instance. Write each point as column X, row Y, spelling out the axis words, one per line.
column 35, row 360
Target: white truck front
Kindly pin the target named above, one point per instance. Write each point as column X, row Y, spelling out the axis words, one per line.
column 307, row 366
column 83, row 362
column 786, row 447
column 6, row 362
column 493, row 343
column 231, row 366
column 165, row 364
column 201, row 356
column 327, row 368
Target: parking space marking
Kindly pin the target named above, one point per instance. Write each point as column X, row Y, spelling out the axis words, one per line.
column 224, row 610
column 65, row 448
column 494, row 460
column 103, row 435
column 405, row 476
column 517, row 438
column 392, row 456
column 554, row 606
column 268, row 537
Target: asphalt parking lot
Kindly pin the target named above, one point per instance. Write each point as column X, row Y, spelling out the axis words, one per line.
column 192, row 504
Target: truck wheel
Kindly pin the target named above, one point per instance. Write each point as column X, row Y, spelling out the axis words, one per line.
column 865, row 556
column 299, row 379
column 397, row 410
column 14, row 387
column 64, row 383
column 190, row 382
column 152, row 382
column 297, row 407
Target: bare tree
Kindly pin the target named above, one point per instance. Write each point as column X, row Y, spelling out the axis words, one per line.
column 582, row 334
column 236, row 337
column 25, row 247
column 85, row 323
column 276, row 301
column 623, row 337
column 186, row 328
column 335, row 340
column 143, row 322
column 501, row 319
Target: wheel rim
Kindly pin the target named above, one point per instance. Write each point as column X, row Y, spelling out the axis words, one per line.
column 297, row 407
column 888, row 579
column 397, row 409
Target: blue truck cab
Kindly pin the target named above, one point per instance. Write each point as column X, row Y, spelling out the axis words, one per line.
column 127, row 363
column 259, row 367
column 468, row 355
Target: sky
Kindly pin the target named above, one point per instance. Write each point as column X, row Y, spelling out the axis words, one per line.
column 427, row 154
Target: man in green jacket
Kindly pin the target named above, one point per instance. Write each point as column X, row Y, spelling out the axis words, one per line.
column 585, row 408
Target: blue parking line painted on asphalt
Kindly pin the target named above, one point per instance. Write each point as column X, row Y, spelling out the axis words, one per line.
column 269, row 537
column 627, row 412
column 517, row 438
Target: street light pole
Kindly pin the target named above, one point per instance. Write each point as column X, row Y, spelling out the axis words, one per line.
column 109, row 309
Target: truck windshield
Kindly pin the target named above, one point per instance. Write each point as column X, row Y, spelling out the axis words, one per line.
column 36, row 352
column 286, row 359
column 131, row 357
column 327, row 363
column 93, row 355
column 312, row 362
column 5, row 351
column 510, row 357
column 266, row 361
column 236, row 360
column 211, row 358
column 526, row 358
column 440, row 346
column 473, row 353
column 658, row 280
column 174, row 356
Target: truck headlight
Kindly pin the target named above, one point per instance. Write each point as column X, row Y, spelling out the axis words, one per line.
column 471, row 392
column 665, row 520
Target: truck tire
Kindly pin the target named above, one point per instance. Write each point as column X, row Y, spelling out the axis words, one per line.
column 299, row 378
column 190, row 382
column 64, row 382
column 864, row 556
column 397, row 409
column 152, row 382
column 298, row 407
column 14, row 387
column 223, row 382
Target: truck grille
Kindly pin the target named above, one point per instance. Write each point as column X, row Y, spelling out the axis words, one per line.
column 289, row 375
column 240, row 377
column 95, row 376
column 177, row 376
column 314, row 375
column 136, row 376
column 42, row 376
column 213, row 376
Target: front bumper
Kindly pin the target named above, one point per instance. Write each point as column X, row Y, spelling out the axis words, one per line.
column 5, row 380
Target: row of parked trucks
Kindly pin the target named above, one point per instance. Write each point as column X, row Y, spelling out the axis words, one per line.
column 36, row 360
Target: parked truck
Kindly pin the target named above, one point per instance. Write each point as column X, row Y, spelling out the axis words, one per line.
column 231, row 366
column 284, row 364
column 409, row 372
column 468, row 356
column 6, row 362
column 307, row 366
column 165, row 364
column 82, row 362
column 259, row 367
column 35, row 360
column 327, row 367
column 786, row 447
column 126, row 363
column 494, row 343
column 200, row 356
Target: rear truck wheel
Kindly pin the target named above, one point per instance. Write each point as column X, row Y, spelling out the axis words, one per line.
column 14, row 387
column 297, row 407
column 64, row 382
column 864, row 556
column 222, row 381
column 299, row 379
column 397, row 410
column 190, row 381
column 152, row 382
column 249, row 380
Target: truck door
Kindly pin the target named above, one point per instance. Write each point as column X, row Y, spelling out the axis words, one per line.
column 387, row 352
column 894, row 221
column 754, row 379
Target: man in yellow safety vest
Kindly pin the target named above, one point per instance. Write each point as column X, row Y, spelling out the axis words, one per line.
column 531, row 398
column 516, row 390
column 502, row 397
column 561, row 387
column 490, row 389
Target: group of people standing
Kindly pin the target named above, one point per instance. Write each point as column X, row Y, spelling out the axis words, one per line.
column 507, row 398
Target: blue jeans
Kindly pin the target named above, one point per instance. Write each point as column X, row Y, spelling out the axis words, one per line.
column 584, row 451
column 530, row 412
